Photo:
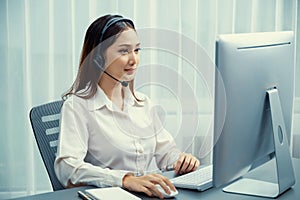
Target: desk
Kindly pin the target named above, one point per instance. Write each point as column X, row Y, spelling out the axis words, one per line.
column 213, row 193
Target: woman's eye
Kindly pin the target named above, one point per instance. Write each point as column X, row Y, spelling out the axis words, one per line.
column 127, row 51
column 124, row 51
column 137, row 50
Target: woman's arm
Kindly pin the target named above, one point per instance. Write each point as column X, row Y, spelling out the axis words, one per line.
column 167, row 154
column 70, row 167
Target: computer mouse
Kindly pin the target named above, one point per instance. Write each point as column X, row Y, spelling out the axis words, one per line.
column 171, row 195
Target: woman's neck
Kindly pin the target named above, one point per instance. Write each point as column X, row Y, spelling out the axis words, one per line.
column 114, row 92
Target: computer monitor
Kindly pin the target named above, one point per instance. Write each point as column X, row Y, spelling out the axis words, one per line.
column 253, row 110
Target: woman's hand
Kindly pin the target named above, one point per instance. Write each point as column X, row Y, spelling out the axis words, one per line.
column 146, row 184
column 186, row 163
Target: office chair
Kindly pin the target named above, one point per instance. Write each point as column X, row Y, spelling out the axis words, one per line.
column 45, row 124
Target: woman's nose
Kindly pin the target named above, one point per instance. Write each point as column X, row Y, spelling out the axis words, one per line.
column 133, row 57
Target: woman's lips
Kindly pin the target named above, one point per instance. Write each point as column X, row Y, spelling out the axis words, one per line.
column 129, row 70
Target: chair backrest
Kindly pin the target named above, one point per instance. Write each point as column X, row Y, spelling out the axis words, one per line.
column 45, row 124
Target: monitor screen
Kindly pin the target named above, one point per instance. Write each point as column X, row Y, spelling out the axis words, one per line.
column 247, row 66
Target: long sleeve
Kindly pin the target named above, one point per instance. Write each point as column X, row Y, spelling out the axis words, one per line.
column 166, row 152
column 70, row 163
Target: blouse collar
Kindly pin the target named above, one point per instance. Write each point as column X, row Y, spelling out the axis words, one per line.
column 99, row 100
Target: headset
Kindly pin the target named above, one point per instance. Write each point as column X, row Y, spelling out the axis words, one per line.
column 99, row 60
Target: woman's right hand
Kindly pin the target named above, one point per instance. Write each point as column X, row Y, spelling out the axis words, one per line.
column 146, row 184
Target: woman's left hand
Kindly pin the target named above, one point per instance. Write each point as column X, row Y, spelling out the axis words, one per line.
column 186, row 163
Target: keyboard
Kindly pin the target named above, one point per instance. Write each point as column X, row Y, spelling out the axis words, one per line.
column 201, row 179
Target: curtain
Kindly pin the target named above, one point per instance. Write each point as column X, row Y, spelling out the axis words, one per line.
column 40, row 44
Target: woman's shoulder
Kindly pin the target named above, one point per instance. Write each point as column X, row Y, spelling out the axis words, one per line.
column 74, row 98
column 75, row 101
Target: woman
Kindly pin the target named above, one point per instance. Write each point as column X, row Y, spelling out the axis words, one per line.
column 108, row 135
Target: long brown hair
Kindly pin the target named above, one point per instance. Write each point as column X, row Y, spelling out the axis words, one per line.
column 85, row 84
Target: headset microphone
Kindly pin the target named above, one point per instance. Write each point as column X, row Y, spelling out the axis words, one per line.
column 123, row 83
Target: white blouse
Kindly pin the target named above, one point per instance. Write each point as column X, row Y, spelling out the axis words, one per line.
column 99, row 143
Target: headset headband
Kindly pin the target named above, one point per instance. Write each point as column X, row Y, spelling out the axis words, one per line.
column 111, row 22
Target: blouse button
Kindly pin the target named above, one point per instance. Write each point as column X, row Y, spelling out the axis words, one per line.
column 141, row 151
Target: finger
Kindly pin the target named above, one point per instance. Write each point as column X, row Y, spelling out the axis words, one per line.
column 146, row 191
column 155, row 191
column 156, row 178
column 185, row 164
column 164, row 186
column 165, row 183
column 151, row 189
column 178, row 163
column 170, row 184
column 193, row 164
column 196, row 165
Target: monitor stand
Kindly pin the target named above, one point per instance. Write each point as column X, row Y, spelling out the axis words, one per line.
column 284, row 168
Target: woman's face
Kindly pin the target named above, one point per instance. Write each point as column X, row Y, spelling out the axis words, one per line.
column 122, row 57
